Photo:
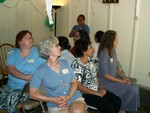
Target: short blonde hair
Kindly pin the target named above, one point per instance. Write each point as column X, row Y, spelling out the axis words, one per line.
column 46, row 45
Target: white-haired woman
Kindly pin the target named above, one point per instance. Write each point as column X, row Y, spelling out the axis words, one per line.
column 58, row 80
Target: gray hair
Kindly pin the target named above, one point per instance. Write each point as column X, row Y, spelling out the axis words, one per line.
column 46, row 45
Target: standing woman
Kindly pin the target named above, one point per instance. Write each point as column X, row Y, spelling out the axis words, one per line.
column 58, row 80
column 21, row 63
column 127, row 91
column 80, row 26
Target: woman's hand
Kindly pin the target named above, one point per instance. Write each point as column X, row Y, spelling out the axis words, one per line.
column 28, row 77
column 102, row 92
column 125, row 81
column 61, row 101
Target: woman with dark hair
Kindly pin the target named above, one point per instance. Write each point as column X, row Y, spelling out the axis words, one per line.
column 127, row 91
column 85, row 70
column 80, row 34
column 22, row 60
column 65, row 49
column 21, row 64
column 97, row 37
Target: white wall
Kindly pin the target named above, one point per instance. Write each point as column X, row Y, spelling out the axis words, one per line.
column 142, row 54
column 133, row 49
column 16, row 15
column 133, row 33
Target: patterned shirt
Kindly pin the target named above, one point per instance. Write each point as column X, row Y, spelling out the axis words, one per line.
column 86, row 73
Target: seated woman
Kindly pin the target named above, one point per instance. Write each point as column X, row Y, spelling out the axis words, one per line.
column 97, row 37
column 21, row 64
column 79, row 34
column 65, row 49
column 58, row 80
column 127, row 91
column 85, row 70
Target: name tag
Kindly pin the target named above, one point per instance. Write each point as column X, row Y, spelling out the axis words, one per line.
column 31, row 61
column 65, row 71
column 111, row 60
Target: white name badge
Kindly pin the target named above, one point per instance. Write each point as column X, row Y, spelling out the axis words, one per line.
column 111, row 60
column 65, row 71
column 31, row 61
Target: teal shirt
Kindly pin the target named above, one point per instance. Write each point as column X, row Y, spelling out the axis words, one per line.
column 25, row 65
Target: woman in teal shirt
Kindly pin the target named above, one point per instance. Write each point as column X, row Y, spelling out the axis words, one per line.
column 21, row 63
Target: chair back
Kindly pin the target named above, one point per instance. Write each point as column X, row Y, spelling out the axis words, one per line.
column 4, row 49
column 30, row 104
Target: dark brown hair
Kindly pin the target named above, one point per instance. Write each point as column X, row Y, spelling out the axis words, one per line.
column 98, row 36
column 81, row 45
column 64, row 43
column 82, row 16
column 107, row 42
column 83, row 34
column 20, row 36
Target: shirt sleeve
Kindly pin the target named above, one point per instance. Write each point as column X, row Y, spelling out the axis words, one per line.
column 36, row 80
column 77, row 70
column 11, row 57
column 103, row 62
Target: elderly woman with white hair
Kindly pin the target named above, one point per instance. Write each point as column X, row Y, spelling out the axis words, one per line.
column 58, row 80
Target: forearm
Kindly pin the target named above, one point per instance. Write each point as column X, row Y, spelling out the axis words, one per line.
column 16, row 73
column 121, row 74
column 99, row 83
column 37, row 96
column 86, row 90
column 73, row 88
column 111, row 78
column 71, row 34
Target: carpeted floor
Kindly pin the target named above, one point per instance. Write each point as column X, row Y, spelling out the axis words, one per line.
column 144, row 100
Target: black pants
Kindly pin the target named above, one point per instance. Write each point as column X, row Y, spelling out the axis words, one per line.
column 109, row 103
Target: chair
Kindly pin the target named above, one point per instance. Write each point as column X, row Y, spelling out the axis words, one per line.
column 30, row 104
column 92, row 109
column 4, row 49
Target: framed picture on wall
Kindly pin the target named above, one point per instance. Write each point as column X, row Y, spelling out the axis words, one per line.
column 110, row 1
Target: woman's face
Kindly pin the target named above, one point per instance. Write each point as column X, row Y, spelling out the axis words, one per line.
column 90, row 51
column 76, row 36
column 80, row 20
column 26, row 41
column 116, row 42
column 55, row 51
